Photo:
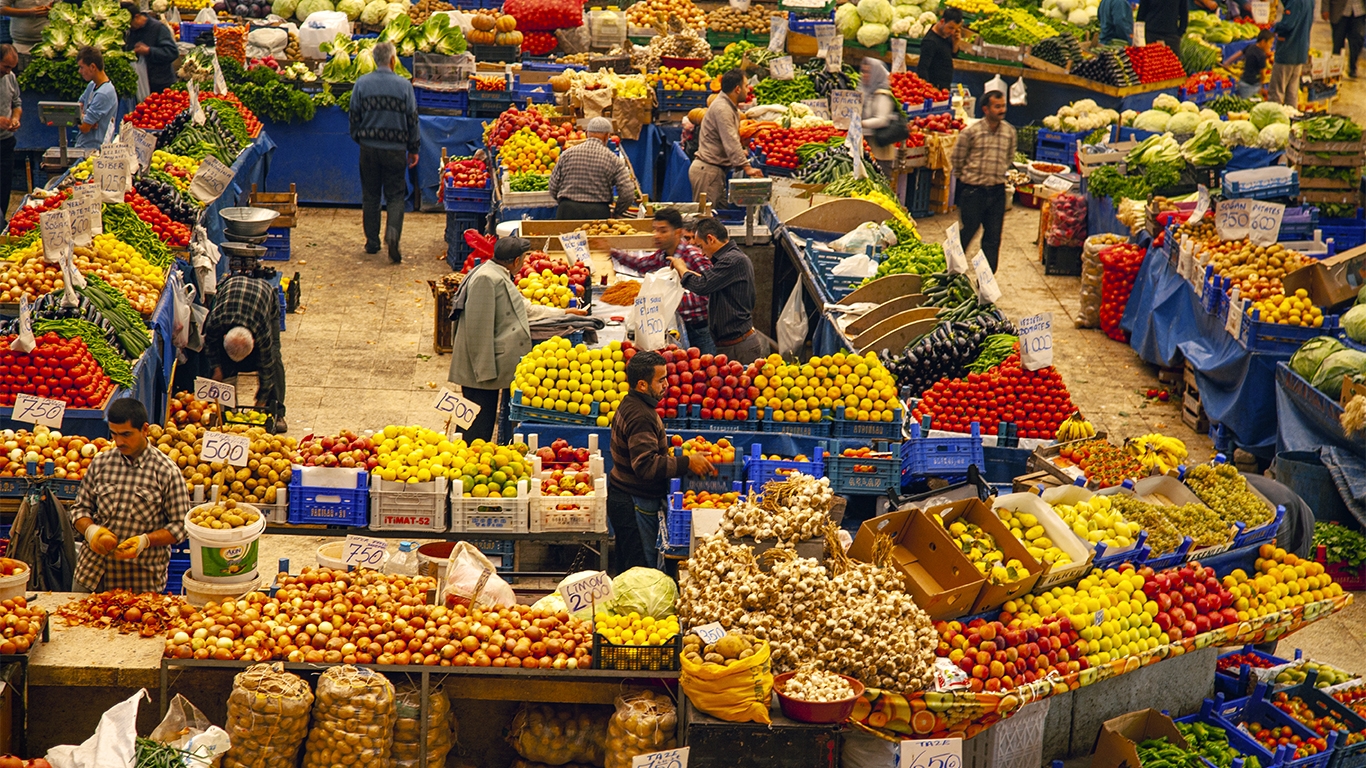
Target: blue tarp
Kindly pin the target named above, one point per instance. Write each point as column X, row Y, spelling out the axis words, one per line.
column 675, row 186
column 33, row 135
column 249, row 168
column 319, row 158
column 458, row 135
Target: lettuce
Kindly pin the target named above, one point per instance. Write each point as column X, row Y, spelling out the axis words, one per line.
column 1344, row 362
column 1267, row 113
column 1274, row 137
column 371, row 14
column 876, row 12
column 870, row 35
column 1183, row 122
column 352, row 8
column 1239, row 133
column 1354, row 323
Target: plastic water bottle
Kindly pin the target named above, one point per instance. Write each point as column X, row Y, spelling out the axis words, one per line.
column 405, row 562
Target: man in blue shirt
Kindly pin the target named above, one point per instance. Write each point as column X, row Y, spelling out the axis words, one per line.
column 384, row 124
column 1116, row 22
column 1292, row 52
column 98, row 103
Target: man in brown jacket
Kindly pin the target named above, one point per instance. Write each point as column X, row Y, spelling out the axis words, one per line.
column 642, row 464
column 719, row 148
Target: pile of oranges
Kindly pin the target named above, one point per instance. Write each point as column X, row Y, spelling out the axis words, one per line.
column 719, row 452
column 685, row 79
column 709, row 500
column 1280, row 581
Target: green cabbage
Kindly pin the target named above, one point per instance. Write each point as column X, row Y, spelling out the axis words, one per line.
column 1152, row 120
column 352, row 8
column 1266, row 113
column 372, row 12
column 870, row 35
column 1354, row 323
column 1274, row 136
column 1344, row 362
column 847, row 20
column 1239, row 133
column 1361, row 295
column 646, row 591
column 1208, row 114
column 876, row 12
column 284, row 8
column 1183, row 122
column 1311, row 354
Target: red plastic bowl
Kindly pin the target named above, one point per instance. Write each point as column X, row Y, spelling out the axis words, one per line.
column 674, row 62
column 816, row 712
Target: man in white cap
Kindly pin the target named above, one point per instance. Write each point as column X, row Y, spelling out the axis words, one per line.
column 242, row 333
column 586, row 174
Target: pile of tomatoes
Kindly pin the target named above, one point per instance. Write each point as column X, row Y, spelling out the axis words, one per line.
column 170, row 232
column 779, row 145
column 908, row 88
column 466, row 173
column 1036, row 402
column 941, row 123
column 57, row 368
column 1121, row 263
column 1234, row 661
column 1208, row 80
column 158, row 109
column 26, row 218
column 1106, row 464
column 1321, row 724
column 1277, row 736
column 1154, row 63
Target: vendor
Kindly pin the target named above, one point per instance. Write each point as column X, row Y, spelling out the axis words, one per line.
column 668, row 238
column 719, row 149
column 1254, row 64
column 938, row 48
column 585, row 175
column 642, row 464
column 1348, row 18
column 490, row 335
column 242, row 333
column 10, row 102
column 729, row 288
column 131, row 509
column 1164, row 21
column 983, row 153
column 884, row 124
column 1292, row 52
column 1116, row 22
column 99, row 102
column 153, row 42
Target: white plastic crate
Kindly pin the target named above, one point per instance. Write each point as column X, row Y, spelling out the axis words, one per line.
column 570, row 513
column 396, row 506
column 1016, row 742
column 491, row 516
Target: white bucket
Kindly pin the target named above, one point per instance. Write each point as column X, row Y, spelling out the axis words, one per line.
column 197, row 593
column 224, row 556
column 331, row 554
column 16, row 585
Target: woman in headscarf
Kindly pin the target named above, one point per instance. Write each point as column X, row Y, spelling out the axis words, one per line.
column 884, row 124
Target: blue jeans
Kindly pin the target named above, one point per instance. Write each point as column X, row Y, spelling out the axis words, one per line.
column 647, row 520
column 700, row 336
column 1248, row 90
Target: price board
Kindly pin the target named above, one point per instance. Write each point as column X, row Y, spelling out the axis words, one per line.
column 463, row 412
column 781, row 68
column 575, row 245
column 834, row 58
column 843, row 106
column 110, row 175
column 211, row 391
column 1036, row 341
column 211, row 179
column 1257, row 220
column 142, row 142
column 854, row 140
column 1261, row 11
column 710, row 633
column 54, row 227
column 931, row 753
column 651, row 325
column 364, row 551
column 825, row 38
column 78, row 210
column 819, row 107
column 229, row 449
column 587, row 592
column 196, row 111
column 1140, row 34
column 777, row 34
column 31, row 409
column 669, row 758
column 898, row 54
column 956, row 260
column 987, row 289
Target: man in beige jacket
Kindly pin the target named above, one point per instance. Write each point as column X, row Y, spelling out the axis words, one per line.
column 491, row 335
column 719, row 148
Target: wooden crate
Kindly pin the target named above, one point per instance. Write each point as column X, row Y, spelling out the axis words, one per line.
column 1192, row 412
column 284, row 203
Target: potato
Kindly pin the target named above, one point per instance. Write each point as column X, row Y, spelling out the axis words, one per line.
column 267, row 718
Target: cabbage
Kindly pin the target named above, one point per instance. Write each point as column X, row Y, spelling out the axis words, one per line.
column 876, row 12
column 645, row 591
column 1208, row 114
column 373, row 12
column 847, row 20
column 284, row 8
column 1361, row 295
column 352, row 8
column 1239, row 133
column 1152, row 120
column 1167, row 103
column 1183, row 122
column 1354, row 323
column 551, row 603
column 1274, row 137
column 1311, row 354
column 870, row 35
column 1079, row 17
column 396, row 9
column 1266, row 113
column 1344, row 362
column 1189, row 106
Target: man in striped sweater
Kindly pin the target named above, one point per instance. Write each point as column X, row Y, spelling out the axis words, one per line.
column 384, row 123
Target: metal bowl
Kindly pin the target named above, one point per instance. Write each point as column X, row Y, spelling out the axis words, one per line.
column 243, row 250
column 250, row 240
column 251, row 222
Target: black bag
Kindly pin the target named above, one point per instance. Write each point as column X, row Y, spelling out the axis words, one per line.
column 896, row 128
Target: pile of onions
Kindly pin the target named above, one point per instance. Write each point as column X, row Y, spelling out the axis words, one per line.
column 21, row 624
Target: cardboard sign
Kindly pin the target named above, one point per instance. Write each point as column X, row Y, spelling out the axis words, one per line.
column 220, row 86
column 78, row 211
column 834, row 58
column 211, row 391
column 38, row 410
column 587, row 592
column 898, row 54
column 1201, row 204
column 196, row 111
column 111, row 176
column 987, row 289
column 740, row 5
column 363, row 551
column 1140, row 34
column 651, row 325
column 825, row 39
column 143, row 144
column 1036, row 341
column 1257, row 220
column 819, row 107
column 463, row 412
column 211, row 179
column 54, row 228
column 781, row 68
column 229, row 449
column 931, row 753
column 953, row 250
column 669, row 758
column 843, row 106
column 71, row 280
column 575, row 245
column 710, row 633
column 777, row 34
column 853, row 142
column 89, row 192
column 1261, row 11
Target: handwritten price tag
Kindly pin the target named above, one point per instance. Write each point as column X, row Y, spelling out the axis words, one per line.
column 669, row 758
column 54, row 227
column 587, row 592
column 229, row 449
column 854, row 143
column 781, row 68
column 931, row 753
column 777, row 34
column 110, row 175
column 987, row 289
column 90, row 192
column 462, row 411
column 211, row 179
column 819, row 107
column 575, row 245
column 710, row 633
column 1261, row 11
column 364, row 552
column 220, row 85
column 650, row 324
column 1201, row 204
column 39, row 410
column 1140, row 33
column 1264, row 222
column 843, row 106
column 834, row 58
column 211, row 391
column 1036, row 341
column 953, row 250
column 825, row 38
column 1231, row 218
column 78, row 210
column 143, row 144
column 898, row 54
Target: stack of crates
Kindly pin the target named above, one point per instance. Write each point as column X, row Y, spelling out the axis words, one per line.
column 287, row 205
column 175, row 572
column 1320, row 165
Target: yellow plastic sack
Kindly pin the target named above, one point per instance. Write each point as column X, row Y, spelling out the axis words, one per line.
column 738, row 692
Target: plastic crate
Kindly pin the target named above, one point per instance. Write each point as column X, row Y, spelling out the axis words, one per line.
column 1058, row 146
column 1321, row 704
column 500, row 552
column 695, row 421
column 680, row 101
column 1262, row 191
column 722, row 39
column 1170, row 559
column 466, row 199
column 726, row 474
column 1233, row 686
column 918, row 192
column 1255, row 708
column 489, row 103
column 1279, row 338
column 569, row 513
column 845, row 477
column 316, row 505
column 675, row 522
column 399, row 506
column 870, row 430
column 454, row 101
column 190, row 32
column 1200, row 94
column 638, row 658
column 1298, row 223
column 1263, row 532
column 1345, row 233
column 520, row 412
column 1237, row 738
column 491, row 515
column 277, row 244
column 759, row 470
column 940, row 456
column 457, row 250
column 1351, row 577
column 1016, row 742
column 805, row 22
column 1062, row 260
column 805, row 428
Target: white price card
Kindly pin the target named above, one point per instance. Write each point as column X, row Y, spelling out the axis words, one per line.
column 211, row 391
column 1140, row 34
column 1230, row 219
column 781, row 68
column 740, row 5
column 211, row 179
column 819, row 107
column 1201, row 204
column 142, row 142
column 111, row 176
column 463, row 412
column 575, row 245
column 54, row 227
column 834, row 58
column 710, row 633
column 364, row 551
column 38, row 410
column 987, row 289
column 669, row 758
column 931, row 753
column 651, row 325
column 232, row 450
column 1264, row 222
column 78, row 211
column 956, row 260
column 898, row 54
column 196, row 111
column 843, row 106
column 1261, row 11
column 777, row 34
column 1234, row 323
column 1036, row 341
column 825, row 37
column 91, row 192
column 220, row 86
column 853, row 142
column 587, row 592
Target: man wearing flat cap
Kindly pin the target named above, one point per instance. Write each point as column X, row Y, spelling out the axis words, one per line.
column 586, row 174
column 490, row 335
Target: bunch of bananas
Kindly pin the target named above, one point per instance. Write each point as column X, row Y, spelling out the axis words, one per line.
column 1075, row 427
column 1158, row 453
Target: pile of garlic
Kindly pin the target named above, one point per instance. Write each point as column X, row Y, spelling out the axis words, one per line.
column 795, row 509
column 817, row 685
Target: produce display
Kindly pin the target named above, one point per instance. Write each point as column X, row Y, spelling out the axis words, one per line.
column 1037, row 402
column 269, row 462
column 466, row 173
column 910, row 89
column 1098, row 521
column 1158, row 453
column 346, row 449
column 544, row 377
column 685, row 79
column 1287, row 310
column 731, row 647
column 1155, row 62
column 983, row 551
column 1167, row 526
column 794, row 509
column 1225, row 490
column 1273, row 737
column 223, row 516
column 57, row 368
column 632, row 629
column 419, row 455
column 709, row 500
column 1121, row 263
column 816, row 685
column 734, row 21
column 70, row 454
column 809, row 392
column 1326, row 675
column 719, row 452
column 340, row 733
column 267, row 717
column 145, row 614
column 644, row 722
column 608, row 227
column 1027, row 530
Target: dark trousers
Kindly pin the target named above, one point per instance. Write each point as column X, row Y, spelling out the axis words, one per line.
column 571, row 210
column 621, row 514
column 699, row 335
column 1172, row 41
column 488, row 401
column 1352, row 30
column 983, row 207
column 270, row 379
column 6, row 172
column 386, row 171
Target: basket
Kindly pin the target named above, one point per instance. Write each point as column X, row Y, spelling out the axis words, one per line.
column 1279, row 338
column 399, row 506
column 726, row 475
column 675, row 522
column 852, row 475
column 749, row 424
column 759, row 470
column 940, row 456
column 317, row 505
column 489, row 515
column 638, row 658
column 820, row 712
column 190, row 32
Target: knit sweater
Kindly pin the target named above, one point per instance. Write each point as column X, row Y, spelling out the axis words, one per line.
column 384, row 112
column 642, row 463
column 161, row 52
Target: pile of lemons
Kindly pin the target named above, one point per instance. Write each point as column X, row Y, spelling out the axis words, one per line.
column 419, row 455
column 547, row 289
column 1288, row 310
column 559, row 376
column 810, row 391
column 632, row 629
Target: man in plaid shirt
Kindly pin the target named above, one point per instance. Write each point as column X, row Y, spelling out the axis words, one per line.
column 242, row 333
column 134, row 495
column 668, row 231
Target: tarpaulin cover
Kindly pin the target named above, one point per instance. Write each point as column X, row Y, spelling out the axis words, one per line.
column 459, row 135
column 250, row 167
column 675, row 186
column 1297, row 430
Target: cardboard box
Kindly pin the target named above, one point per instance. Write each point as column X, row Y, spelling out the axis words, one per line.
column 1089, row 162
column 1351, row 389
column 1119, row 738
column 942, row 581
column 1331, row 281
column 993, row 596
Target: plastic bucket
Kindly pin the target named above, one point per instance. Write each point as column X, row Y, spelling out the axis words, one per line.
column 198, row 593
column 1303, row 472
column 16, row 585
column 224, row 556
column 330, row 556
column 432, row 560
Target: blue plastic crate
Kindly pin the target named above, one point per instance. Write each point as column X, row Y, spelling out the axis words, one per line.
column 465, row 199
column 918, row 192
column 311, row 505
column 1233, row 686
column 1264, row 532
column 1345, row 233
column 190, row 31
column 695, row 421
column 680, row 101
column 457, row 250
column 1279, row 338
column 806, row 25
column 489, row 103
column 807, row 428
column 1256, row 708
column 1137, row 554
column 284, row 305
column 1321, row 704
column 536, row 94
column 277, row 244
column 1237, row 739
column 456, row 101
column 940, row 456
column 1053, row 155
column 500, row 551
column 726, row 475
column 759, row 470
column 1171, row 559
column 675, row 525
column 872, row 430
column 520, row 412
column 1299, row 223
column 844, row 478
column 1262, row 190
column 1200, row 94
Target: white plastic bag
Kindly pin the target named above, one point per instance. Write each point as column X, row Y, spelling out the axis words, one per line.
column 185, row 727
column 144, row 85
column 321, row 27
column 1018, row 93
column 858, row 265
column 868, row 233
column 994, row 84
column 792, row 324
column 471, row 580
column 183, row 297
column 208, row 16
column 112, row 744
column 653, row 315
column 205, row 256
column 25, row 342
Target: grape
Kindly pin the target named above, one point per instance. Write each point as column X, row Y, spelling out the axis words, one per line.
column 1226, row 492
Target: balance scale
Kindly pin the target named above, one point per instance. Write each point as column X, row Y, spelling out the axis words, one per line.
column 61, row 115
column 750, row 193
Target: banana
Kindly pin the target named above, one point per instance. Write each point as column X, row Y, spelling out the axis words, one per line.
column 1157, row 452
column 1075, row 427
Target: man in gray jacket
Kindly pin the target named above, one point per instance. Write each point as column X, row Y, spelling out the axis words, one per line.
column 384, row 123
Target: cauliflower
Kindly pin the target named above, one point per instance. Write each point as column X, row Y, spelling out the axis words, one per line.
column 1189, row 106
column 352, row 8
column 1167, row 103
column 1208, row 114
column 927, row 19
column 1127, row 117
column 901, row 27
column 1079, row 18
column 1052, row 123
column 875, row 11
column 917, row 30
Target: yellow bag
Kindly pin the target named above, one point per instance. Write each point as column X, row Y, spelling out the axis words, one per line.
column 738, row 692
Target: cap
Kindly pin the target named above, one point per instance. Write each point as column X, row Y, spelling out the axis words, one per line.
column 405, row 546
column 507, row 249
column 599, row 125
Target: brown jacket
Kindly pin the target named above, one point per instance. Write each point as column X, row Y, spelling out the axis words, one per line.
column 718, row 138
column 642, row 463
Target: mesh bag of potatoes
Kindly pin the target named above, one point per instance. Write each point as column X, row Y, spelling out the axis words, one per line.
column 353, row 719
column 731, row 679
column 267, row 717
column 557, row 735
column 441, row 725
column 644, row 722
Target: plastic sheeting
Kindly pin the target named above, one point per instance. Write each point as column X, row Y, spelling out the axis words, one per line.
column 319, row 157
column 459, row 135
column 675, row 187
column 250, row 167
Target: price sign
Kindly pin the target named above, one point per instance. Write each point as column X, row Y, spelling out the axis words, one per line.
column 854, row 143
column 777, row 34
column 462, row 411
column 669, row 758
column 90, row 192
column 211, row 179
column 1036, row 341
column 948, row 677
column 1140, row 34
column 843, row 106
column 987, row 289
column 143, row 144
column 1234, row 323
column 1264, row 222
column 819, row 107
column 1261, row 11
column 953, row 250
column 575, row 245
column 1230, row 219
column 710, row 633
column 781, row 68
column 54, row 227
column 39, row 410
column 78, row 210
column 594, row 588
column 740, row 5
column 825, row 38
column 220, row 86
column 110, row 175
column 898, row 54
column 650, row 322
column 196, row 111
column 211, row 391
column 1057, row 183
column 229, row 449
column 834, row 58
column 364, row 552
column 931, row 753
column 1201, row 204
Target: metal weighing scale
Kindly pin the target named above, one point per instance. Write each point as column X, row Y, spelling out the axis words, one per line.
column 62, row 115
column 750, row 193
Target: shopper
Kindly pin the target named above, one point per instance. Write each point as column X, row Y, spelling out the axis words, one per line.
column 130, row 508
column 938, row 48
column 719, row 149
column 27, row 20
column 1348, row 18
column 1292, row 52
column 242, row 334
column 1254, row 64
column 99, row 102
column 668, row 238
column 729, row 288
column 490, row 336
column 384, row 123
column 982, row 155
column 884, row 122
column 152, row 42
column 1164, row 21
column 586, row 175
column 1116, row 22
column 642, row 464
column 9, row 126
